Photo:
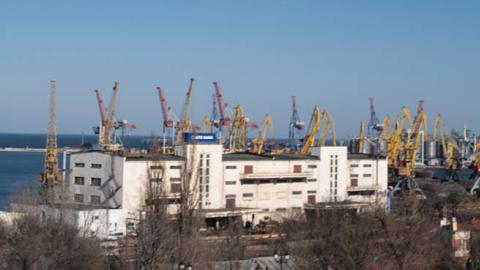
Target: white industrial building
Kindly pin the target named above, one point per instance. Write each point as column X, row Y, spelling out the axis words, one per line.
column 250, row 185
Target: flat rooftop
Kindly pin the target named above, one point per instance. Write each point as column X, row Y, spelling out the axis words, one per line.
column 267, row 157
column 364, row 156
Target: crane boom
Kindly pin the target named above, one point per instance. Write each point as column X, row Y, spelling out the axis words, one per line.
column 101, row 106
column 185, row 123
column 361, row 137
column 167, row 123
column 224, row 120
column 109, row 124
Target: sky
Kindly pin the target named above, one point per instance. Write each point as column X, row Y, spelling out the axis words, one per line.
column 334, row 54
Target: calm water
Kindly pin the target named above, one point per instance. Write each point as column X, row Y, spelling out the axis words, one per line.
column 21, row 170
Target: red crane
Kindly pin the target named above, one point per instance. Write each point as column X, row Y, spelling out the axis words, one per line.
column 224, row 121
column 167, row 123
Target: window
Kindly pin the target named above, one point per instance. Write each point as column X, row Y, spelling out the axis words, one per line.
column 312, row 192
column 156, row 167
column 230, row 182
column 297, row 192
column 95, row 181
column 79, row 180
column 248, row 169
column 175, row 187
column 353, row 165
column 297, row 168
column 367, row 175
column 175, row 167
column 78, row 198
column 175, row 179
column 247, row 196
column 312, row 166
column 230, row 167
column 354, row 182
column 353, row 175
column 95, row 199
column 367, row 165
column 80, row 165
column 312, row 180
column 96, row 166
column 281, row 209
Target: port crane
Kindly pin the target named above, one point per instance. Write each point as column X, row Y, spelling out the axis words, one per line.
column 168, row 127
column 224, row 119
column 238, row 125
column 50, row 176
column 410, row 148
column 394, row 137
column 314, row 127
column 121, row 124
column 295, row 126
column 258, row 142
column 185, row 124
column 449, row 148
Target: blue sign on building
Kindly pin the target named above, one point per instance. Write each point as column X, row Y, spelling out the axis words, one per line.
column 190, row 137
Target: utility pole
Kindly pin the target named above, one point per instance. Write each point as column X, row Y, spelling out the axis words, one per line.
column 50, row 176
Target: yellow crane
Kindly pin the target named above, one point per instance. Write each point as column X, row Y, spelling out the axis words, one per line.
column 109, row 122
column 394, row 138
column 410, row 147
column 50, row 176
column 185, row 124
column 207, row 124
column 361, row 137
column 238, row 127
column 449, row 147
column 314, row 127
column 259, row 141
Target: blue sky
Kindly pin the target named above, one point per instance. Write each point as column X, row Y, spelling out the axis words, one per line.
column 335, row 54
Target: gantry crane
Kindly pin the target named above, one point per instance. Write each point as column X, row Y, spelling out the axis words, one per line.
column 449, row 148
column 410, row 148
column 314, row 127
column 259, row 141
column 50, row 176
column 238, row 125
column 185, row 124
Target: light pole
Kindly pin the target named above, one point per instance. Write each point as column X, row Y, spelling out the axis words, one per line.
column 281, row 258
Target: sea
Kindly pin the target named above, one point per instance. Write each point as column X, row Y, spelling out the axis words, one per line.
column 21, row 170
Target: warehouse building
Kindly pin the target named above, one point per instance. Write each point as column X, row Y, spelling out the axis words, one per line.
column 243, row 184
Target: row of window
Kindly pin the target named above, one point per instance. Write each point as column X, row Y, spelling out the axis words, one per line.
column 266, row 195
column 79, row 198
column 364, row 175
column 93, row 165
column 364, row 165
column 160, row 167
column 249, row 168
column 94, row 181
column 272, row 181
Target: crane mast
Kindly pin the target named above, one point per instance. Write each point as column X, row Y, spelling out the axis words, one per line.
column 237, row 136
column 50, row 176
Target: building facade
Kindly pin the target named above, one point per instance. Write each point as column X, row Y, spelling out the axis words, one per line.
column 268, row 185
